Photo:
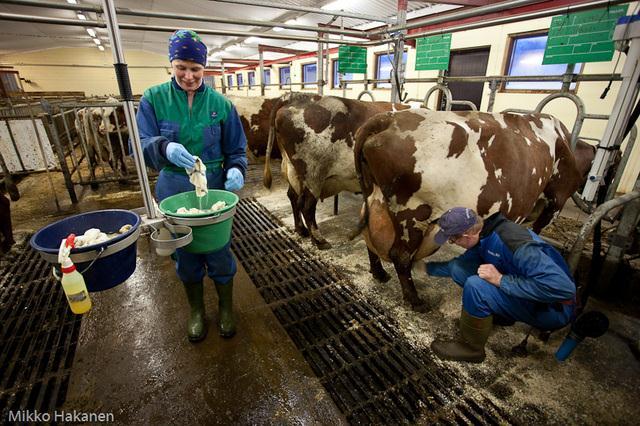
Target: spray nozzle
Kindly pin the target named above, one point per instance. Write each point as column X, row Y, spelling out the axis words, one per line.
column 64, row 252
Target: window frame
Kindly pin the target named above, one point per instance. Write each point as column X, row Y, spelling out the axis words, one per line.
column 334, row 74
column 308, row 85
column 266, row 71
column 280, row 70
column 377, row 55
column 239, row 80
column 512, row 38
column 251, row 74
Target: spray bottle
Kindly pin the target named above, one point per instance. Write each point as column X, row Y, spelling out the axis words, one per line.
column 72, row 281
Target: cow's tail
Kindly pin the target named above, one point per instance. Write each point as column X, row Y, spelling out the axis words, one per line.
column 267, row 178
column 376, row 124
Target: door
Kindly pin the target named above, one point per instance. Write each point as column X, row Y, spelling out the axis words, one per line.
column 464, row 63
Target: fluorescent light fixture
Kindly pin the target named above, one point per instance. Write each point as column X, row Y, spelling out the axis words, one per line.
column 96, row 41
column 277, row 29
column 253, row 40
column 72, row 1
column 334, row 5
column 101, row 47
column 292, row 22
column 82, row 17
column 91, row 32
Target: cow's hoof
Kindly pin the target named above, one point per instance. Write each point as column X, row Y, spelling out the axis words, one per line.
column 322, row 245
column 381, row 276
column 421, row 306
column 303, row 232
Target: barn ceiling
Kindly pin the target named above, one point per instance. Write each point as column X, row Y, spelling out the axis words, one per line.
column 22, row 37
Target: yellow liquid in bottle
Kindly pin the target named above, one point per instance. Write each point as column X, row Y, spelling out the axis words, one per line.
column 76, row 292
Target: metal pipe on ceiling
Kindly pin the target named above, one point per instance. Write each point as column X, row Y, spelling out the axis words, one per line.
column 197, row 18
column 161, row 28
column 517, row 18
column 273, row 5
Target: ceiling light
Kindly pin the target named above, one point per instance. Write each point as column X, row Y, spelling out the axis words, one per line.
column 91, row 32
column 72, row 1
column 101, row 47
column 277, row 29
column 82, row 17
column 253, row 40
column 292, row 22
column 96, row 41
column 334, row 5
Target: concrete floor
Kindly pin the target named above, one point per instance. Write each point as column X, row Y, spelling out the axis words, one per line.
column 134, row 360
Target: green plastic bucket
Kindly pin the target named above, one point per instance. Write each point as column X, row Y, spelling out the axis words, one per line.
column 211, row 232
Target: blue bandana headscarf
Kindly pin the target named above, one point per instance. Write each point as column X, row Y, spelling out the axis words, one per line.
column 187, row 46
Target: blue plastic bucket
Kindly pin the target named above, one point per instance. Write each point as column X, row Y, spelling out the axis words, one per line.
column 115, row 259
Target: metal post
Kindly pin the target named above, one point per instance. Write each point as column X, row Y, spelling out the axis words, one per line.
column 493, row 86
column 53, row 132
column 224, row 83
column 127, row 96
column 397, row 76
column 261, row 72
column 319, row 66
column 621, row 110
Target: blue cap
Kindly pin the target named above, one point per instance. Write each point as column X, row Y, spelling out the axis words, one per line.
column 454, row 222
column 187, row 46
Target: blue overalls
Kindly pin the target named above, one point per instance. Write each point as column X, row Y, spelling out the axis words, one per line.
column 536, row 286
column 211, row 130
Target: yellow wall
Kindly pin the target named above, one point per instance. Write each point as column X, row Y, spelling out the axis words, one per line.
column 86, row 69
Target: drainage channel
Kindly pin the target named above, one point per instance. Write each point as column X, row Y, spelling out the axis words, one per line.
column 370, row 371
column 38, row 336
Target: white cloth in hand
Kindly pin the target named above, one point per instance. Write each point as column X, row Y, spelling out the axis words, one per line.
column 198, row 177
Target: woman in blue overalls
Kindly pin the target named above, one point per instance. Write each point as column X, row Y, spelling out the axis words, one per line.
column 177, row 120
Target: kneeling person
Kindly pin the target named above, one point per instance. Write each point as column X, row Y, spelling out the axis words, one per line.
column 508, row 272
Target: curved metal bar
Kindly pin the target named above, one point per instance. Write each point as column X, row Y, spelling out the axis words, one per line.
column 467, row 103
column 446, row 92
column 366, row 92
column 577, row 126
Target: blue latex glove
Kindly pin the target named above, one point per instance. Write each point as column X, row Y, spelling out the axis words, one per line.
column 234, row 181
column 178, row 155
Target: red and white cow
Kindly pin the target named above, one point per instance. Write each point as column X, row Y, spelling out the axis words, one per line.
column 105, row 132
column 254, row 114
column 316, row 139
column 414, row 165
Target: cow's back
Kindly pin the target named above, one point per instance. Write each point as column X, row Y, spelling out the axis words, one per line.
column 317, row 135
column 254, row 115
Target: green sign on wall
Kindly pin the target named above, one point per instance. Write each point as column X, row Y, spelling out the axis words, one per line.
column 582, row 37
column 432, row 53
column 352, row 59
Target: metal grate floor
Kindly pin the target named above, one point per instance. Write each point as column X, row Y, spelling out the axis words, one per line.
column 371, row 372
column 38, row 336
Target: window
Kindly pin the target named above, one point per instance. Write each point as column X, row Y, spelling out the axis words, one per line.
column 309, row 76
column 285, row 76
column 525, row 58
column 251, row 76
column 229, row 81
column 9, row 83
column 239, row 79
column 335, row 83
column 266, row 77
column 383, row 68
column 209, row 81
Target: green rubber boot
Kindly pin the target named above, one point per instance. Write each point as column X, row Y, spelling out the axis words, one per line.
column 225, row 309
column 469, row 347
column 196, row 327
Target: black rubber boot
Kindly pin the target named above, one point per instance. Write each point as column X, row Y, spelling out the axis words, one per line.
column 226, row 324
column 474, row 333
column 196, row 327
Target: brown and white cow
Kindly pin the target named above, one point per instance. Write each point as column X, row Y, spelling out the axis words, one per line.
column 316, row 139
column 254, row 114
column 105, row 133
column 414, row 165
